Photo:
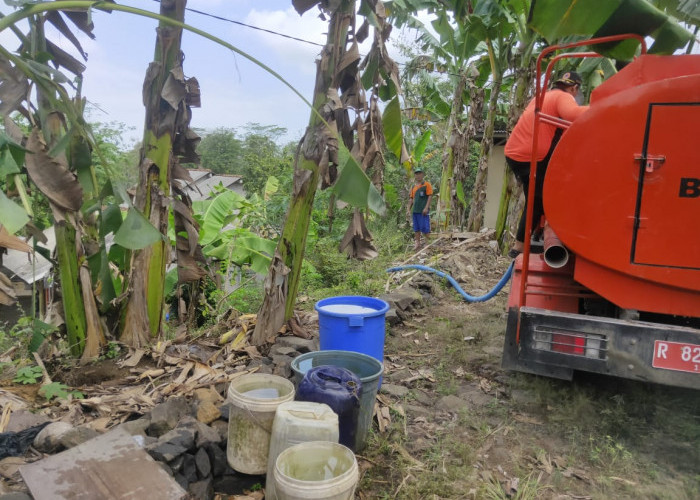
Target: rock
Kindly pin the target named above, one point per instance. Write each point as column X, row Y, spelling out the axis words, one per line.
column 22, row 419
column 403, row 299
column 392, row 318
column 165, row 452
column 16, row 495
column 201, row 490
column 176, row 464
column 217, row 459
column 207, row 412
column 262, row 367
column 422, row 397
column 297, row 343
column 136, row 427
column 493, row 244
column 452, row 404
column 181, row 480
column 208, row 394
column 283, row 366
column 221, row 427
column 77, row 435
column 10, row 465
column 282, row 350
column 418, row 411
column 48, row 440
column 166, row 468
column 189, row 468
column 180, row 436
column 225, row 409
column 207, row 435
column 201, row 460
column 397, row 391
column 165, row 416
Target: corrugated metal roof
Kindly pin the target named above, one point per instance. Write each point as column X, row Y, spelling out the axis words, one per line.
column 20, row 265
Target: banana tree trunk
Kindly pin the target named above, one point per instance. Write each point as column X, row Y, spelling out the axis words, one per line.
column 478, row 204
column 282, row 281
column 73, row 307
column 143, row 312
column 66, row 230
column 511, row 205
column 462, row 171
column 453, row 145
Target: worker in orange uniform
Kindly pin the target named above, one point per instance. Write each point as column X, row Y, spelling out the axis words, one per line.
column 559, row 101
column 421, row 195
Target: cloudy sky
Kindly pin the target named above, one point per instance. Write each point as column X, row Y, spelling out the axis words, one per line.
column 234, row 90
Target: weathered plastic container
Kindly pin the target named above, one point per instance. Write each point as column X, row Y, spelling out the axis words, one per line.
column 353, row 323
column 254, row 400
column 298, row 422
column 338, row 388
column 367, row 368
column 317, row 470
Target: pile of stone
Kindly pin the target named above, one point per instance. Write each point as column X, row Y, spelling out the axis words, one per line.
column 186, row 436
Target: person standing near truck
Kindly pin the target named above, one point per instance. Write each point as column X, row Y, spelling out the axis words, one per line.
column 421, row 195
column 559, row 101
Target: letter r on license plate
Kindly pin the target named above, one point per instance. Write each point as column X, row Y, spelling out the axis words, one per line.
column 677, row 356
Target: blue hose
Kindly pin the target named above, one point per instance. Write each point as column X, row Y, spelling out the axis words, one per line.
column 465, row 295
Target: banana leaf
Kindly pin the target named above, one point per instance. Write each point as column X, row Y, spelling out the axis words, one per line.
column 354, row 187
column 136, row 232
column 12, row 216
column 555, row 19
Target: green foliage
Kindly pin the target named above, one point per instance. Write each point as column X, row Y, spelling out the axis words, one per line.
column 59, row 391
column 255, row 156
column 113, row 350
column 28, row 375
column 555, row 19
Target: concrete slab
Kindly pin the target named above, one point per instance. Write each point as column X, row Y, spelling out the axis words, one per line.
column 109, row 467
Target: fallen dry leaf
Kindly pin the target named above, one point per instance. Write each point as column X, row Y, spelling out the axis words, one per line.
column 526, row 419
column 133, row 359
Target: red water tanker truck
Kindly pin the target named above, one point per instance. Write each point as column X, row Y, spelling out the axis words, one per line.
column 616, row 289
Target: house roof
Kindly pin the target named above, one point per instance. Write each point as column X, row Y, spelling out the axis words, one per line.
column 20, row 265
column 204, row 182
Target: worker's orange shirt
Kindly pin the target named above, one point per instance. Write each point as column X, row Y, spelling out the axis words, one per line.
column 416, row 187
column 556, row 103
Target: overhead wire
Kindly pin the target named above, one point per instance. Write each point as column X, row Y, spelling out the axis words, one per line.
column 284, row 35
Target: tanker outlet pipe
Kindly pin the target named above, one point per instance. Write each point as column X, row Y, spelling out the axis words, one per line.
column 555, row 253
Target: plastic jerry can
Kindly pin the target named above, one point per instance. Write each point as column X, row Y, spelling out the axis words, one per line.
column 298, row 422
column 340, row 389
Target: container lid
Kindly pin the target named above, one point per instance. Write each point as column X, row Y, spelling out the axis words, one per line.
column 351, row 305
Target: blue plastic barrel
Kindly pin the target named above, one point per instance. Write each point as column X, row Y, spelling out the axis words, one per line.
column 352, row 323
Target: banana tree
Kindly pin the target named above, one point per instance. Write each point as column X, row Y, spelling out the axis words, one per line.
column 454, row 50
column 323, row 155
column 59, row 161
column 493, row 22
column 168, row 97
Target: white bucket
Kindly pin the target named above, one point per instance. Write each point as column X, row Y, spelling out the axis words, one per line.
column 254, row 400
column 298, row 422
column 317, row 470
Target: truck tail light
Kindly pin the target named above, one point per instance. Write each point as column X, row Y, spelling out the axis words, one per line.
column 590, row 345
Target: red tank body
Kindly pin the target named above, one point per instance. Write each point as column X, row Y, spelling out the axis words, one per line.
column 622, row 189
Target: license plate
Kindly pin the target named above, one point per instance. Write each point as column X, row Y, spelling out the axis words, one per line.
column 676, row 356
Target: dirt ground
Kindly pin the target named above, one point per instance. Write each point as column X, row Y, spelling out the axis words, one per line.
column 454, row 425
column 463, row 428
